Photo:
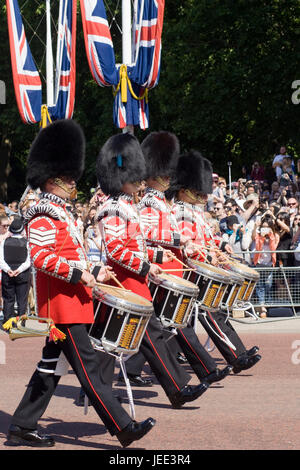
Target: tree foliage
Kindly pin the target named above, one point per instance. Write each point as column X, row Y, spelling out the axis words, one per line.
column 225, row 85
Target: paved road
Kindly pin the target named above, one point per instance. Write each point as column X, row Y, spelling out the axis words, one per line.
column 255, row 410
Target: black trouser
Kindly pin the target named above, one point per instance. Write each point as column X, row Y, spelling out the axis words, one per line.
column 218, row 329
column 186, row 340
column 87, row 365
column 15, row 289
column 171, row 376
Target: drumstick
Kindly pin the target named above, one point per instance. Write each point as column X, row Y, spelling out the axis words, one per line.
column 116, row 281
column 101, row 284
column 177, row 270
column 175, row 257
column 112, row 276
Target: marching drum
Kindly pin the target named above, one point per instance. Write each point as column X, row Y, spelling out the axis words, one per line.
column 173, row 299
column 250, row 276
column 212, row 282
column 121, row 318
column 232, row 292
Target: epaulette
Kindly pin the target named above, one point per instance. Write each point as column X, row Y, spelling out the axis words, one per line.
column 111, row 208
column 43, row 207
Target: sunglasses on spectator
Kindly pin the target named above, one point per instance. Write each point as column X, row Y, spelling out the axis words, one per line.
column 292, row 204
column 217, row 208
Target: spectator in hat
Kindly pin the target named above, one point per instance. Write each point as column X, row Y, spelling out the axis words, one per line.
column 15, row 266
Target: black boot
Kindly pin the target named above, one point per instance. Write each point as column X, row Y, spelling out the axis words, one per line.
column 135, row 431
column 136, row 380
column 181, row 358
column 245, row 362
column 18, row 436
column 187, row 394
column 217, row 375
column 252, row 351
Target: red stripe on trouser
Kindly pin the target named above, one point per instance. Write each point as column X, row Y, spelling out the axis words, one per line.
column 162, row 361
column 85, row 372
column 221, row 333
column 180, row 332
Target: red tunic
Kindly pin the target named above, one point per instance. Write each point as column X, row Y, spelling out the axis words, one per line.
column 125, row 245
column 192, row 225
column 59, row 257
column 160, row 227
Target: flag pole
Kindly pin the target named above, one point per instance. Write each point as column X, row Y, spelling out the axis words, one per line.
column 127, row 43
column 49, row 57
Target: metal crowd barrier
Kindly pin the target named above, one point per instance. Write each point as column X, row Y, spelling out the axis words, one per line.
column 283, row 290
column 278, row 286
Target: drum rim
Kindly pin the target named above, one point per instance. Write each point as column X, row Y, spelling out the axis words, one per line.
column 223, row 275
column 123, row 304
column 244, row 272
column 184, row 289
column 236, row 278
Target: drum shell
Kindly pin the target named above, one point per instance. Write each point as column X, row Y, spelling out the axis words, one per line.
column 212, row 282
column 173, row 299
column 119, row 324
column 231, row 295
column 250, row 276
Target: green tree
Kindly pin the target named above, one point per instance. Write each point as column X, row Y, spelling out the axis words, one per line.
column 227, row 71
column 225, row 85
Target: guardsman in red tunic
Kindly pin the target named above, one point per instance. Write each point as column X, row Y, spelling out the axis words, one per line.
column 191, row 185
column 161, row 151
column 120, row 166
column 64, row 283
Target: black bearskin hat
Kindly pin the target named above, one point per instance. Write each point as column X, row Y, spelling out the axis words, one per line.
column 58, row 150
column 193, row 172
column 161, row 151
column 120, row 161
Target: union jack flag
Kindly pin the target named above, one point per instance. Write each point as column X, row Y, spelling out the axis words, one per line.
column 27, row 83
column 98, row 42
column 65, row 62
column 143, row 74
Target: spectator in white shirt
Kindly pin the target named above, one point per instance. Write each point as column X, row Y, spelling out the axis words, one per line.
column 15, row 266
column 278, row 161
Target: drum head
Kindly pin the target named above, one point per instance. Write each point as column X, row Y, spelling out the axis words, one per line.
column 243, row 270
column 175, row 283
column 210, row 271
column 121, row 298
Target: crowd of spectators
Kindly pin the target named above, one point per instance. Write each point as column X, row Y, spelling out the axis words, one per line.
column 254, row 215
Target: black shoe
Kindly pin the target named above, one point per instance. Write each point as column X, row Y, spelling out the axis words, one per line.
column 135, row 431
column 217, row 375
column 187, row 394
column 18, row 436
column 245, row 362
column 181, row 358
column 252, row 351
column 136, row 380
